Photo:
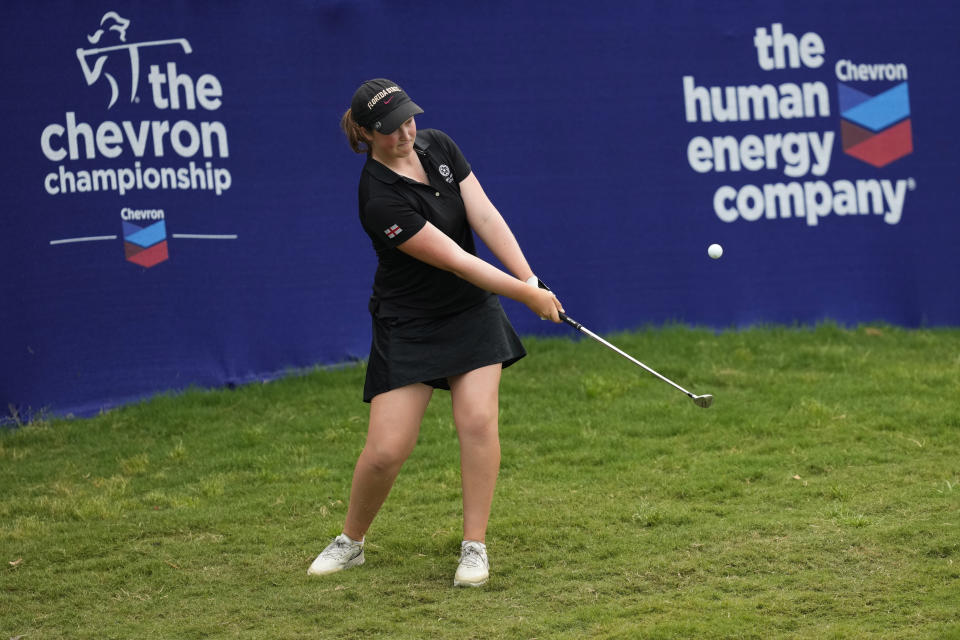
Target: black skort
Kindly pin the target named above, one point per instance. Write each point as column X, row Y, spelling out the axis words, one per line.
column 429, row 350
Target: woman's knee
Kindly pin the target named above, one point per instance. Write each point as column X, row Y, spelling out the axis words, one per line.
column 380, row 459
column 478, row 422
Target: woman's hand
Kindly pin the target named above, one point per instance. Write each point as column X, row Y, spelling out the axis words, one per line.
column 544, row 303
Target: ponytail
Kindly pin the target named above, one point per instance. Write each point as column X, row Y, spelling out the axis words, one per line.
column 354, row 133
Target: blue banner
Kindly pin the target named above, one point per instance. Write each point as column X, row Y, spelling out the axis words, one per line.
column 180, row 205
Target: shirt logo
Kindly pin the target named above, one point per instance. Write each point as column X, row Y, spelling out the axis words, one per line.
column 446, row 173
column 393, row 231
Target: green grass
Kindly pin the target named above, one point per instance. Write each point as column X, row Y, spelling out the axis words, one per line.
column 818, row 498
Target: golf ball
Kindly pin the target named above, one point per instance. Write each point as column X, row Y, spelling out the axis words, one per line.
column 714, row 251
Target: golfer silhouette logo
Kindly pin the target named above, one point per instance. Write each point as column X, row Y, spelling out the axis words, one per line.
column 93, row 60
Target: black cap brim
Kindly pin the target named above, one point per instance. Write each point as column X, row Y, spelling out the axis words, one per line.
column 392, row 121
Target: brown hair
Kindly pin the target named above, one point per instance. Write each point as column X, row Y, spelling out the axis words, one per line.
column 354, row 132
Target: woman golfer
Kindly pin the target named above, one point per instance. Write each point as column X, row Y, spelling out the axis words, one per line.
column 437, row 321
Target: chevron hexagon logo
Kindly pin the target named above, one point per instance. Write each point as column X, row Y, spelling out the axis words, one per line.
column 875, row 129
column 145, row 246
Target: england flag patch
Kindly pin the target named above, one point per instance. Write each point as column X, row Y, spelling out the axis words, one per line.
column 393, row 231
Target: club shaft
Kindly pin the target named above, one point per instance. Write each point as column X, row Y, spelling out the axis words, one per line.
column 576, row 325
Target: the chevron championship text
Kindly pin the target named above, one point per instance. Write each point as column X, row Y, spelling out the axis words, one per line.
column 94, row 154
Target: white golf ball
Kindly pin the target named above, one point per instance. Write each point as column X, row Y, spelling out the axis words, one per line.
column 714, row 251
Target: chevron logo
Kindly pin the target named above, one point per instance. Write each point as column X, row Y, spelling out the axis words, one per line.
column 145, row 246
column 875, row 129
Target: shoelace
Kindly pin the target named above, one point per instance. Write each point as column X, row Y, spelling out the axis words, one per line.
column 472, row 557
column 343, row 550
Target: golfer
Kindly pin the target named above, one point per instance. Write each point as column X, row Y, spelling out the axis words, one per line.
column 437, row 321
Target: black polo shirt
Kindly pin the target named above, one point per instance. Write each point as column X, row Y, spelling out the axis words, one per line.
column 394, row 208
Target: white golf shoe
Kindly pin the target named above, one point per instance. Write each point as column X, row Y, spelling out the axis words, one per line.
column 474, row 569
column 340, row 554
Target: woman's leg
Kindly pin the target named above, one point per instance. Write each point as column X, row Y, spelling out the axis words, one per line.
column 395, row 418
column 476, row 397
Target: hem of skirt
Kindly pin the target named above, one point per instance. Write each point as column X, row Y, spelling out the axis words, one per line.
column 427, row 380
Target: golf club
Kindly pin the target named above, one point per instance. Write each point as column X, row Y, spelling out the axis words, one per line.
column 702, row 401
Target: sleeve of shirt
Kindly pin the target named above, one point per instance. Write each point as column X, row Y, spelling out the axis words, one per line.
column 392, row 221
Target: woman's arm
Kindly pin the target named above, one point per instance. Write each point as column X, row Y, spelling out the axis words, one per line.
column 434, row 247
column 492, row 229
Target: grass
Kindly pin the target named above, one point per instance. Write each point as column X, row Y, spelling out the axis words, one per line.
column 818, row 498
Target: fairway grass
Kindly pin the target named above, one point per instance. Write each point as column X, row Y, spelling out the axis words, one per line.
column 819, row 497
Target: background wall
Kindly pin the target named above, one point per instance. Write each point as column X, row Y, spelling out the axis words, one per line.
column 179, row 205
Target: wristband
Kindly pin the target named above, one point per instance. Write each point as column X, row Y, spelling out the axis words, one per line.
column 534, row 281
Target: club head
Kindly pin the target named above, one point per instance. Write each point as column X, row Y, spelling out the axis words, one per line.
column 703, row 401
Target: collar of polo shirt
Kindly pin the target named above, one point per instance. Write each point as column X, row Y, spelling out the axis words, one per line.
column 384, row 173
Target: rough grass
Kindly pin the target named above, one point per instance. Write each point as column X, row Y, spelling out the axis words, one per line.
column 818, row 498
